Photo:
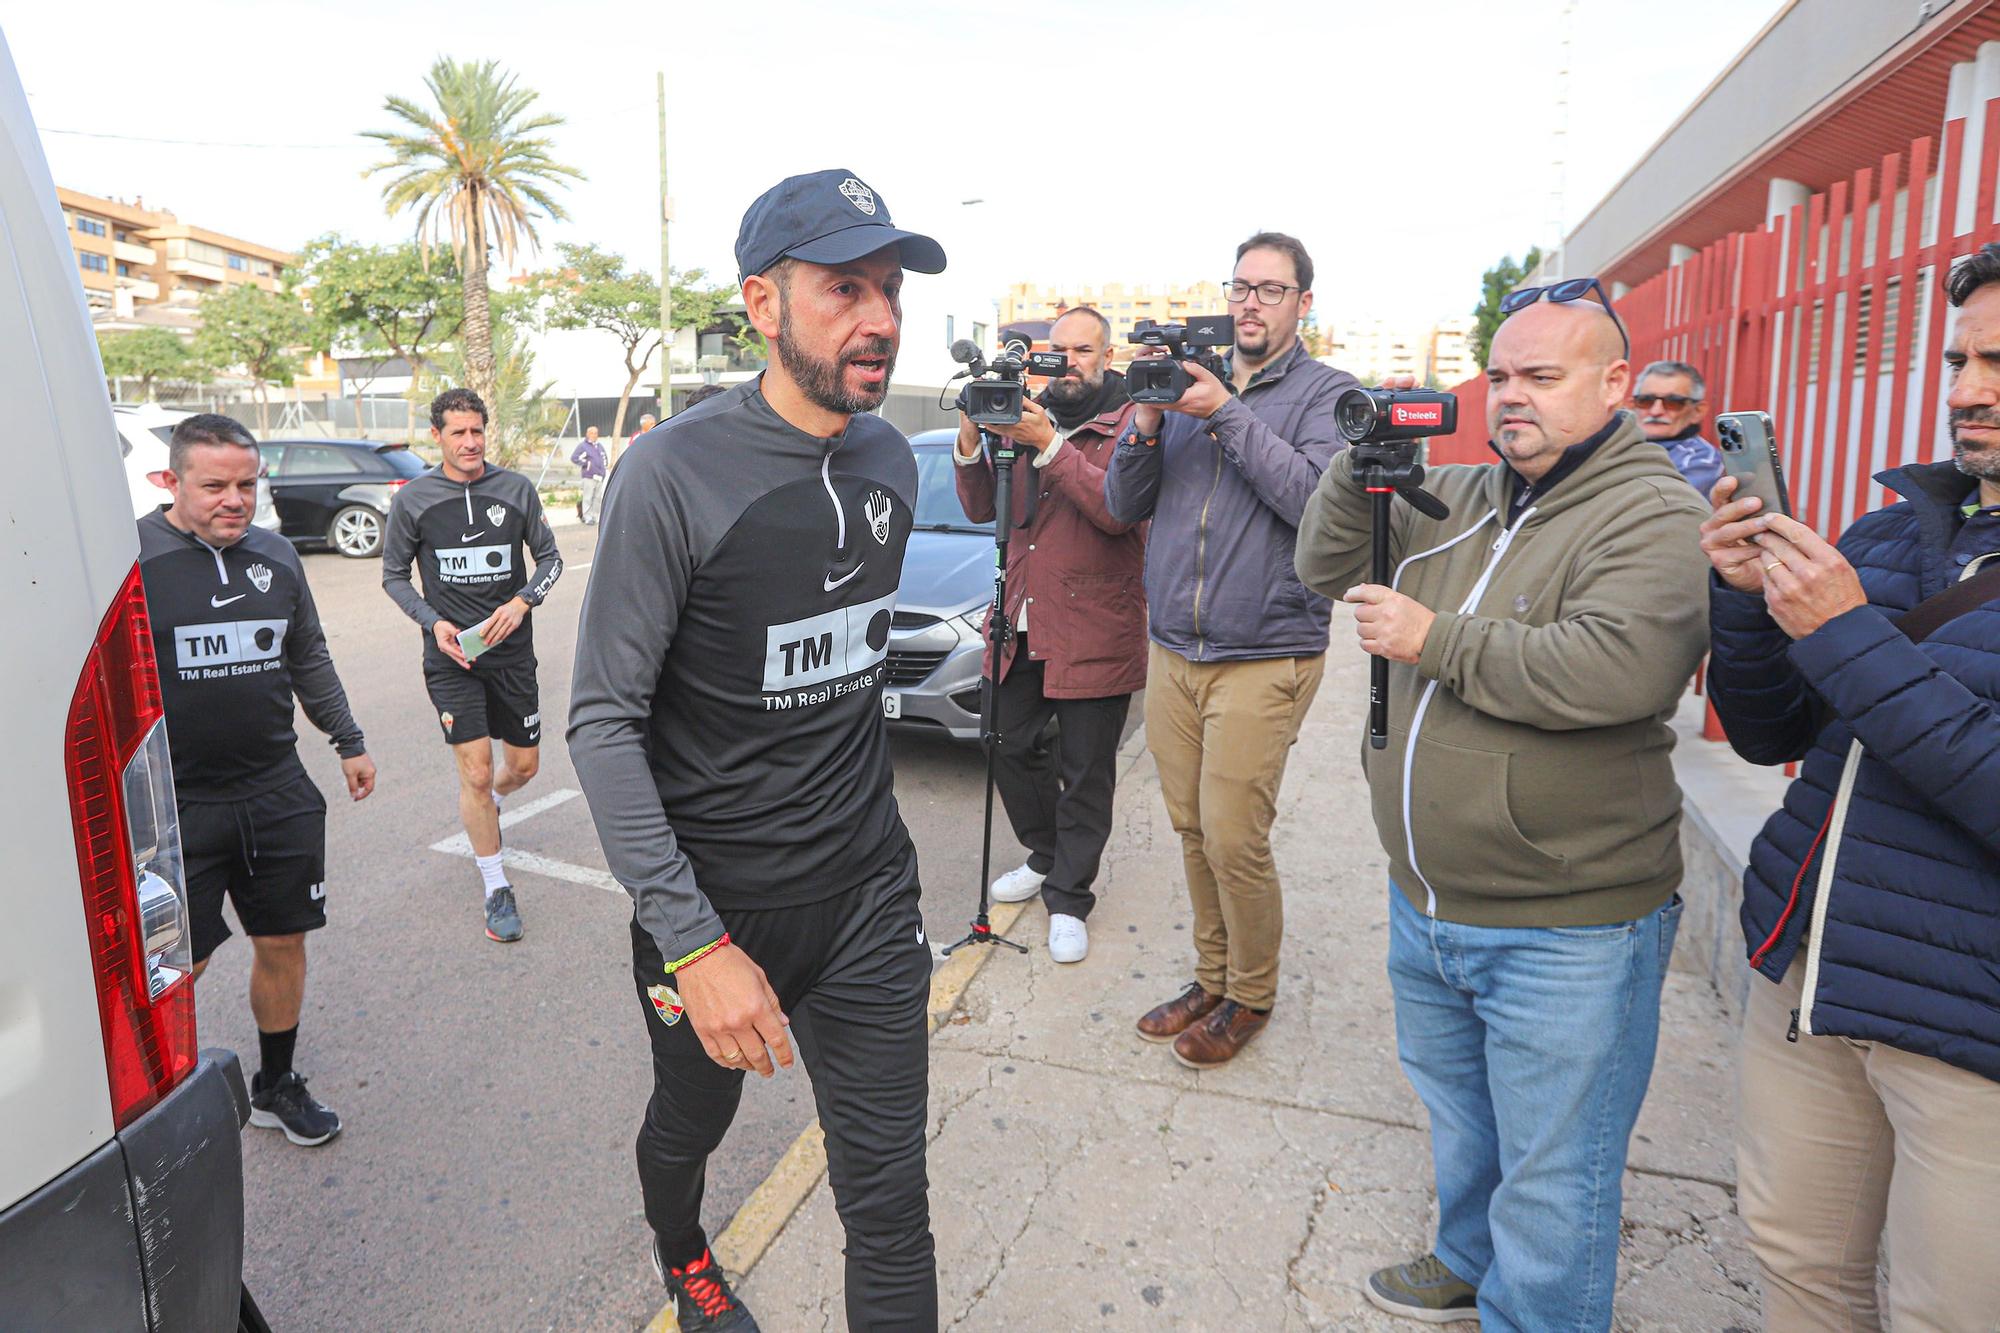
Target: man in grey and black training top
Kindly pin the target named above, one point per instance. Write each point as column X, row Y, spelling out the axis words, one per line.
column 466, row 524
column 726, row 724
column 238, row 638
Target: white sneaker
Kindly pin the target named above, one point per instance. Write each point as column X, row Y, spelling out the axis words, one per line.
column 1069, row 941
column 1017, row 885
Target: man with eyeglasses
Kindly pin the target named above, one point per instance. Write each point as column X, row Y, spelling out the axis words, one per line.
column 1539, row 639
column 1669, row 400
column 1238, row 642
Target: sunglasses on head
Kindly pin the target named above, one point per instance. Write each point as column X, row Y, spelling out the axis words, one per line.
column 1572, row 289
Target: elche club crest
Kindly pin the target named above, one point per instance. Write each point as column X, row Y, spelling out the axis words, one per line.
column 496, row 515
column 859, row 195
column 878, row 509
column 666, row 1003
column 260, row 575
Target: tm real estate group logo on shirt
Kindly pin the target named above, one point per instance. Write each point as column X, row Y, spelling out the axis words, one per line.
column 821, row 658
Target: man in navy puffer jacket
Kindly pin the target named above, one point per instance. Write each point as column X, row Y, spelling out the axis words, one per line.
column 1871, row 906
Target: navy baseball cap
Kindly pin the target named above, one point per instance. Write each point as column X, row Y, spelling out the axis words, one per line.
column 827, row 217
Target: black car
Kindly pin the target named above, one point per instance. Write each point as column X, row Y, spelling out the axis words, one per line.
column 337, row 491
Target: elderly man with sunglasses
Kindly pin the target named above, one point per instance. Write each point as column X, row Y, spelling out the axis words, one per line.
column 1669, row 399
column 1539, row 638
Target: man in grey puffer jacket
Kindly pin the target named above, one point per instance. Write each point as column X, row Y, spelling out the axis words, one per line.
column 1238, row 643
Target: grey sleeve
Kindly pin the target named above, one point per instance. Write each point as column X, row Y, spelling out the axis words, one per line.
column 314, row 682
column 1132, row 482
column 399, row 552
column 631, row 609
column 1283, row 473
column 542, row 545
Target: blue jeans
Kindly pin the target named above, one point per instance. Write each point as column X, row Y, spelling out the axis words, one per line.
column 1531, row 1048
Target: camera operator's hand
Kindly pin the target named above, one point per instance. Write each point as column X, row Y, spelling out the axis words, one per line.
column 1034, row 430
column 1150, row 417
column 968, row 438
column 1205, row 393
column 1389, row 624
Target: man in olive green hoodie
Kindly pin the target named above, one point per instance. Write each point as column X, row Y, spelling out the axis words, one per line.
column 1538, row 641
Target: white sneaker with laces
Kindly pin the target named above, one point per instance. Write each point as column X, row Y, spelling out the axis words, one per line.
column 1017, row 885
column 1069, row 941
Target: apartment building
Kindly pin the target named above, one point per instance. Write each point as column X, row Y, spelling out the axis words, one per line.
column 131, row 256
column 1125, row 306
column 1374, row 349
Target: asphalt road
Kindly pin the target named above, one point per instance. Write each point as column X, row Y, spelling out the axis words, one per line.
column 490, row 1093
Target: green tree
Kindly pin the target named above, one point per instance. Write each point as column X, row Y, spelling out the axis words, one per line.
column 592, row 289
column 522, row 415
column 261, row 332
column 1502, row 278
column 384, row 300
column 149, row 356
column 477, row 170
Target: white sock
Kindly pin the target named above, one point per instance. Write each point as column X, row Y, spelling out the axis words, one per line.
column 496, row 799
column 490, row 871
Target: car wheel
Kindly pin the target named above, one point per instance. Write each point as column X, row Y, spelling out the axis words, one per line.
column 356, row 532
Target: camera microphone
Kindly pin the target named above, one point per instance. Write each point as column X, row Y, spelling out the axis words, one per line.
column 965, row 352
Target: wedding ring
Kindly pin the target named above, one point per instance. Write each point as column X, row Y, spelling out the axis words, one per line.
column 733, row 1056
column 1773, row 565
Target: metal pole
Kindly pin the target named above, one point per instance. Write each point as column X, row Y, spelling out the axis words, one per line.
column 666, row 273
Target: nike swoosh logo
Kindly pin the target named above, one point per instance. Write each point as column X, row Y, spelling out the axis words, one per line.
column 832, row 583
column 469, row 536
column 225, row 601
column 920, row 934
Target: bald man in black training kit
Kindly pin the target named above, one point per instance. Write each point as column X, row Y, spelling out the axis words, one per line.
column 726, row 724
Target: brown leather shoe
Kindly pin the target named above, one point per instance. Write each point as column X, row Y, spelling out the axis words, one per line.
column 1216, row 1039
column 1169, row 1020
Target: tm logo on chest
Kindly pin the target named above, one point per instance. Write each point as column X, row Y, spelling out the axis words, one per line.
column 829, row 646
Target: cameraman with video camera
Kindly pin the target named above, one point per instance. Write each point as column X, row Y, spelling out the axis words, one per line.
column 1238, row 642
column 1076, row 600
column 1539, row 636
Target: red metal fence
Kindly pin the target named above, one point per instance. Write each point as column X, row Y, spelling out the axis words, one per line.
column 1831, row 318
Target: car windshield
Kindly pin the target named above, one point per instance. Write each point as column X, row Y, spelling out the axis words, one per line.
column 403, row 459
column 937, row 494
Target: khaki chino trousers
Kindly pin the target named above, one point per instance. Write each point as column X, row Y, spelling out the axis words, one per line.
column 1841, row 1138
column 1220, row 733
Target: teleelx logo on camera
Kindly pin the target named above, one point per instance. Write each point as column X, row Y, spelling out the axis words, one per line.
column 1417, row 414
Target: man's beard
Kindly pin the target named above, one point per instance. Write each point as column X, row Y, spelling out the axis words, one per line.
column 1983, row 463
column 1072, row 390
column 1260, row 347
column 824, row 382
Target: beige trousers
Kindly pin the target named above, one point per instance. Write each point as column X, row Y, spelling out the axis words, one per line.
column 1220, row 733
column 1839, row 1138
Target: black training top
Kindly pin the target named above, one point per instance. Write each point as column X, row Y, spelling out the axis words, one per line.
column 237, row 636
column 726, row 711
column 467, row 539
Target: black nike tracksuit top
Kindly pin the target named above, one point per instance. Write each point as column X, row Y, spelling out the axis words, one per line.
column 466, row 539
column 237, row 635
column 726, row 712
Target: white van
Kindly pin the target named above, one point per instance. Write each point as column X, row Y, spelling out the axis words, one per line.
column 121, row 1170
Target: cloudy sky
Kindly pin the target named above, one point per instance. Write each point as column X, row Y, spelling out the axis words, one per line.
column 1409, row 145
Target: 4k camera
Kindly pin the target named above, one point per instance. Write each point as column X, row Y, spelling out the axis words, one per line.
column 1162, row 380
column 1379, row 416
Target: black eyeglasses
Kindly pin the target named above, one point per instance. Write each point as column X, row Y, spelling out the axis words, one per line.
column 1676, row 401
column 1270, row 293
column 1573, row 289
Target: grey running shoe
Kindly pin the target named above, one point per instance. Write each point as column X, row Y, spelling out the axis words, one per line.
column 503, row 918
column 703, row 1302
column 285, row 1104
column 1424, row 1290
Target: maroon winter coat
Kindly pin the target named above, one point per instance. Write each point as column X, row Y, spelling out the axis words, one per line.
column 1080, row 571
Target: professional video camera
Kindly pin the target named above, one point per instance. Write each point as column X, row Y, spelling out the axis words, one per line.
column 1382, row 428
column 994, row 396
column 1162, row 380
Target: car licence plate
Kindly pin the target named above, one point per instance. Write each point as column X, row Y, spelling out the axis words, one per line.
column 892, row 704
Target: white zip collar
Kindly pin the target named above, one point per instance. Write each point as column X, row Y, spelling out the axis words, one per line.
column 1467, row 607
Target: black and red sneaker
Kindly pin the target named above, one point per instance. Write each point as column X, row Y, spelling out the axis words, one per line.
column 703, row 1301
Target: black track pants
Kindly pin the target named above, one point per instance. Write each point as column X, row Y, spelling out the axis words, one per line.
column 853, row 974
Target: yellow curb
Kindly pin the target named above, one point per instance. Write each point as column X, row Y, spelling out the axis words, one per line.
column 764, row 1214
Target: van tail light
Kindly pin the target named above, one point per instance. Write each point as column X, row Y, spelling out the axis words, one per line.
column 128, row 852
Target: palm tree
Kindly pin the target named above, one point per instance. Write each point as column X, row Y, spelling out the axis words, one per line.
column 478, row 173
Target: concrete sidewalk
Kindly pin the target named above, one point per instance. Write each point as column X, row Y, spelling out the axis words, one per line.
column 1080, row 1177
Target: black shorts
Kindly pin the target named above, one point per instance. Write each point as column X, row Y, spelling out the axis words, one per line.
column 499, row 700
column 267, row 854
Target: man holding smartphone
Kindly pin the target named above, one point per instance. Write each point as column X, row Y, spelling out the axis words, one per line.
column 465, row 523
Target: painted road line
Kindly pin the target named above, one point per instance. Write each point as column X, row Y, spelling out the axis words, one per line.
column 554, row 869
column 460, row 845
